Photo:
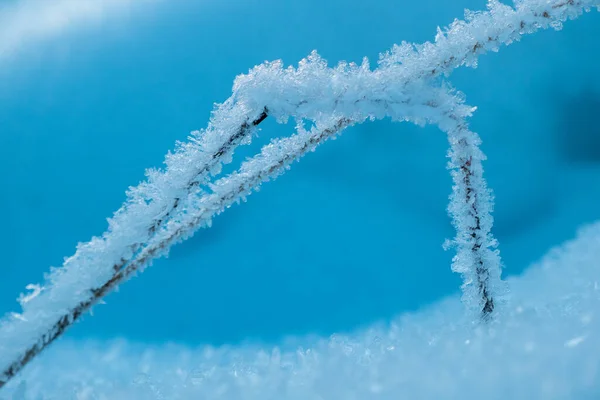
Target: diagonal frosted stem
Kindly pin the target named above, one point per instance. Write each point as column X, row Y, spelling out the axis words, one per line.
column 273, row 160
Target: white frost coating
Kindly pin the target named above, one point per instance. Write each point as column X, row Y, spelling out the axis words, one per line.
column 271, row 162
column 535, row 351
column 71, row 285
column 275, row 158
column 463, row 41
column 471, row 203
column 151, row 219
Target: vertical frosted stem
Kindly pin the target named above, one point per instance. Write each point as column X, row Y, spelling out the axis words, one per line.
column 470, row 208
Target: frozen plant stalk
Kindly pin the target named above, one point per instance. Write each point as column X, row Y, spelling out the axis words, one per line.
column 183, row 197
column 471, row 203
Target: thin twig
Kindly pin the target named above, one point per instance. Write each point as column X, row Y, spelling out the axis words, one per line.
column 470, row 208
column 217, row 203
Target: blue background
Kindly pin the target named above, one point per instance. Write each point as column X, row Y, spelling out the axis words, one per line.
column 353, row 233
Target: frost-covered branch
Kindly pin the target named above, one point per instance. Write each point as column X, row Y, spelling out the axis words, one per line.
column 476, row 259
column 273, row 159
column 271, row 162
column 172, row 203
column 463, row 41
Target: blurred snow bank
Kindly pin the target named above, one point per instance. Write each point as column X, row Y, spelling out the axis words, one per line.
column 545, row 346
column 24, row 21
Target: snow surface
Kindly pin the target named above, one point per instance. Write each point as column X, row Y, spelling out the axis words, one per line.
column 544, row 347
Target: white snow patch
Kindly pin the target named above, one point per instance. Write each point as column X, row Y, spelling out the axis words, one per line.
column 26, row 21
column 431, row 354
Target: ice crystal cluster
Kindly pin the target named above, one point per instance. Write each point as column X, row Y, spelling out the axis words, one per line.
column 543, row 345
